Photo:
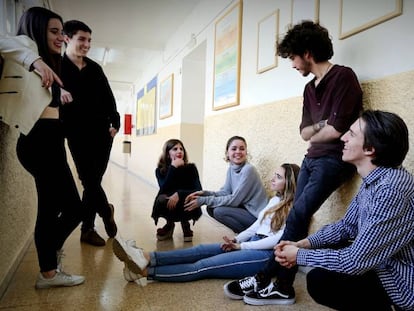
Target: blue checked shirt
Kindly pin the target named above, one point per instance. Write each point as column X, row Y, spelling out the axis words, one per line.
column 380, row 221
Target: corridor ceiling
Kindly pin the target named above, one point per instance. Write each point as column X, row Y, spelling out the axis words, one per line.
column 131, row 31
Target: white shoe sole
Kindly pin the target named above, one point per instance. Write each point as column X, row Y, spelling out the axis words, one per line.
column 120, row 250
column 188, row 239
column 74, row 280
column 230, row 295
column 268, row 301
column 129, row 275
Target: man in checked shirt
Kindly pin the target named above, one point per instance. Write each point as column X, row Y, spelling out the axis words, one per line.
column 376, row 270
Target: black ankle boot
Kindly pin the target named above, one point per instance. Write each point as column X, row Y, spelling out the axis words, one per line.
column 188, row 233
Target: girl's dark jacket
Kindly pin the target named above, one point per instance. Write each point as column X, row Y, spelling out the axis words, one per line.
column 183, row 180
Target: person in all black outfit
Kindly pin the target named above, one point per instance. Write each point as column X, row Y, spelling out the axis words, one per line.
column 177, row 179
column 90, row 123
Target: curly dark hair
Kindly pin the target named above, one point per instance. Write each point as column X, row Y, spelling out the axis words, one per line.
column 307, row 36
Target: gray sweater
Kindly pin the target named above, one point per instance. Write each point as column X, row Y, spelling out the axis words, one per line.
column 243, row 186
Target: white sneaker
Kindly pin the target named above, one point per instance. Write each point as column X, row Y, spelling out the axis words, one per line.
column 60, row 279
column 132, row 256
column 129, row 275
column 131, row 243
column 136, row 278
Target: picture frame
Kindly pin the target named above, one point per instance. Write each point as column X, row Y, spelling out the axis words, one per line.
column 146, row 113
column 354, row 19
column 304, row 10
column 267, row 33
column 166, row 97
column 227, row 50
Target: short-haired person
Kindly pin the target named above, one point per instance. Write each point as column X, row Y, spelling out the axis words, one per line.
column 90, row 122
column 332, row 101
column 376, row 270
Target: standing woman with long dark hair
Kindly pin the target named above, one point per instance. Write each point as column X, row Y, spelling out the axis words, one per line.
column 40, row 147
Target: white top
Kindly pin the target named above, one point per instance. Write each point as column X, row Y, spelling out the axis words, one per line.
column 22, row 97
column 261, row 227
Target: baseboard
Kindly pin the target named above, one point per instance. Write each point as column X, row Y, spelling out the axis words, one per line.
column 9, row 275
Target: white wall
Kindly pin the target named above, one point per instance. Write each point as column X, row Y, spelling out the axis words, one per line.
column 365, row 51
column 377, row 52
column 193, row 89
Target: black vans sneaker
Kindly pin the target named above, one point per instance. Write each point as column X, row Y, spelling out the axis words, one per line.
column 271, row 295
column 238, row 288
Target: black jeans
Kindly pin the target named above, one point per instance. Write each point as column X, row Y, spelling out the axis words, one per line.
column 42, row 153
column 347, row 292
column 90, row 152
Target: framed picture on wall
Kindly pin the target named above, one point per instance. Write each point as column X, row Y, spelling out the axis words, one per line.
column 267, row 32
column 166, row 97
column 227, row 44
column 146, row 104
column 357, row 16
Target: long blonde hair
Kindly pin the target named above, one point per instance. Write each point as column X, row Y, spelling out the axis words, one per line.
column 280, row 211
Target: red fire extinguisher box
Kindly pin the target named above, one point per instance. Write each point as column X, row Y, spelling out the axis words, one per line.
column 127, row 124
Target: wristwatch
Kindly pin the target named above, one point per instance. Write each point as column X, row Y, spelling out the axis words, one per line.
column 321, row 124
column 317, row 126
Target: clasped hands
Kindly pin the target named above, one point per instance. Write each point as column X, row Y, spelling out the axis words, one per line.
column 229, row 244
column 286, row 253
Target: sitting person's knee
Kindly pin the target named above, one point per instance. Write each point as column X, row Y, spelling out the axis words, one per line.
column 219, row 213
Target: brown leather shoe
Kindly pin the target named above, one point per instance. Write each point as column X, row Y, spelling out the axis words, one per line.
column 109, row 222
column 92, row 237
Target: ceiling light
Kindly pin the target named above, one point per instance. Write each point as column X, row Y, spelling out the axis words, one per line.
column 105, row 57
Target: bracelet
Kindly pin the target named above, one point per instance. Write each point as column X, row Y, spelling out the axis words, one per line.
column 31, row 68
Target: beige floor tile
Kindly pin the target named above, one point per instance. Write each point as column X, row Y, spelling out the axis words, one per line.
column 105, row 288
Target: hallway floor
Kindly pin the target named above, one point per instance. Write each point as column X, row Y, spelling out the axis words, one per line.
column 105, row 287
